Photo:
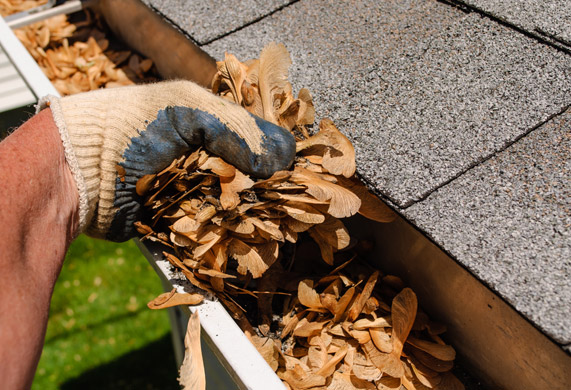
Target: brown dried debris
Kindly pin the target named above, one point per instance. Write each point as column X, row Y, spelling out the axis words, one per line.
column 340, row 327
column 77, row 57
column 174, row 298
column 9, row 7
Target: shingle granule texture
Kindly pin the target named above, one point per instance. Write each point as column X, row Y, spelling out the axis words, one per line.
column 423, row 90
column 206, row 20
column 445, row 109
column 550, row 19
column 508, row 221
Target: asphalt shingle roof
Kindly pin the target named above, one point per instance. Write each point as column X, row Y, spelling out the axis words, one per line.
column 208, row 20
column 508, row 220
column 547, row 19
column 460, row 122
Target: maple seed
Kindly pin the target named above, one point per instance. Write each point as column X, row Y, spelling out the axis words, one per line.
column 174, row 298
column 264, row 240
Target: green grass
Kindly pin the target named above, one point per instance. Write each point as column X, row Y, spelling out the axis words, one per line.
column 101, row 335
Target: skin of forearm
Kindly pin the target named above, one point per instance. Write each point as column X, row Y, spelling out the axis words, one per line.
column 38, row 219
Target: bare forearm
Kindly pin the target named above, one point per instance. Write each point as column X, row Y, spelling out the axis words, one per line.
column 38, row 218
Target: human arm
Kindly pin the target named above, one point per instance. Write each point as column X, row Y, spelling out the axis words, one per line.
column 38, row 220
column 77, row 173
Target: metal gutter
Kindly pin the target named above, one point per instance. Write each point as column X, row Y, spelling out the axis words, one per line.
column 25, row 18
column 24, row 64
column 220, row 333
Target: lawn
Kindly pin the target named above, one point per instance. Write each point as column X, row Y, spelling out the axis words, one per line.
column 101, row 335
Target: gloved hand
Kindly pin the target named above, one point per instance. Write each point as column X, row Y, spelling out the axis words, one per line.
column 139, row 130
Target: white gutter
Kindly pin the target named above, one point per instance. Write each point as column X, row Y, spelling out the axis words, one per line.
column 34, row 15
column 25, row 63
column 222, row 335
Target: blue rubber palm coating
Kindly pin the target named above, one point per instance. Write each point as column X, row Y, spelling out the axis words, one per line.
column 176, row 131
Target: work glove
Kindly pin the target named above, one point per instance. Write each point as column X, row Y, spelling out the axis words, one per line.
column 113, row 137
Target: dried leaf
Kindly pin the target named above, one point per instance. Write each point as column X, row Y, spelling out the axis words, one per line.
column 389, row 383
column 306, row 113
column 439, row 351
column 317, row 354
column 214, row 273
column 174, row 298
column 143, row 229
column 337, row 151
column 231, row 186
column 192, row 376
column 381, row 340
column 308, row 296
column 272, row 76
column 431, row 362
column 429, row 381
column 343, row 303
column 248, row 259
column 292, row 323
column 362, row 336
column 300, row 379
column 268, row 227
column 219, row 167
column 241, row 226
column 302, row 212
column 363, row 368
column 174, row 261
column 186, row 225
column 329, row 367
column 237, row 74
column 293, row 197
column 276, row 179
column 371, row 206
column 362, row 299
column 386, row 362
column 306, row 328
column 333, row 232
column 379, row 322
column 403, row 311
column 296, row 225
column 205, row 213
column 343, row 204
column 268, row 252
column 268, row 349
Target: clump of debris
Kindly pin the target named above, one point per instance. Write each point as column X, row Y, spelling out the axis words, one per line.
column 74, row 52
column 278, row 256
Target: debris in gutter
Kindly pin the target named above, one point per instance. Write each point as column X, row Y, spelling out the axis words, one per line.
column 78, row 57
column 9, row 7
column 278, row 256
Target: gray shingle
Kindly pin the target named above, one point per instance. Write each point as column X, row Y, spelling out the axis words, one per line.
column 549, row 19
column 206, row 20
column 423, row 90
column 432, row 99
column 508, row 221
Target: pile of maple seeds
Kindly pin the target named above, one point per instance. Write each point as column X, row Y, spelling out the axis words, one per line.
column 77, row 57
column 239, row 238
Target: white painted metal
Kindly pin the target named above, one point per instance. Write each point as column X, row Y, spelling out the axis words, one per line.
column 226, row 340
column 24, row 64
column 24, row 18
column 14, row 92
column 48, row 4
